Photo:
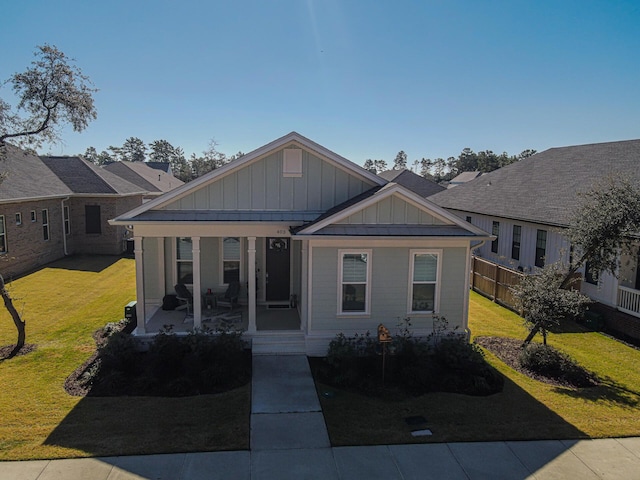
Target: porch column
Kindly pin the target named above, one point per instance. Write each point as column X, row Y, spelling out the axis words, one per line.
column 197, row 290
column 304, row 286
column 162, row 272
column 140, row 310
column 251, row 251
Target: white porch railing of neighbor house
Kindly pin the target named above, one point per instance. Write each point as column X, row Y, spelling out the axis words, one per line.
column 629, row 301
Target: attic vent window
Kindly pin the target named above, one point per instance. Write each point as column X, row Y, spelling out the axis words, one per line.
column 292, row 163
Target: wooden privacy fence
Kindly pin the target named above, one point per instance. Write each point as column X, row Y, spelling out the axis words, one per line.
column 494, row 281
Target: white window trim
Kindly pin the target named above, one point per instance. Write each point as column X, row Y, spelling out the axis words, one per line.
column 34, row 216
column 4, row 234
column 437, row 283
column 221, row 257
column 174, row 249
column 367, row 299
column 18, row 218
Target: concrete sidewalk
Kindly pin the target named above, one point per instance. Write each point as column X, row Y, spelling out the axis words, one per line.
column 289, row 440
column 584, row 460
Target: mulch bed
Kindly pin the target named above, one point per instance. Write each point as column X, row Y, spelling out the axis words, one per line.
column 7, row 349
column 508, row 350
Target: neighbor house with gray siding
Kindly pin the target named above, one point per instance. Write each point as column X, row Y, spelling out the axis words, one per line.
column 319, row 245
column 528, row 204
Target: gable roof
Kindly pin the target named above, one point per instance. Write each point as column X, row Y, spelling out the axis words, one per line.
column 464, row 177
column 27, row 177
column 292, row 139
column 414, row 182
column 328, row 224
column 83, row 177
column 544, row 188
column 144, row 176
column 164, row 166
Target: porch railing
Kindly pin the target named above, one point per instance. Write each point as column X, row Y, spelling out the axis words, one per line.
column 629, row 301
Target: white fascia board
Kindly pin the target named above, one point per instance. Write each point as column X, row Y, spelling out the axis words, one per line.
column 254, row 156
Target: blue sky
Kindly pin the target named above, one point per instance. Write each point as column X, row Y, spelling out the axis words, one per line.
column 363, row 78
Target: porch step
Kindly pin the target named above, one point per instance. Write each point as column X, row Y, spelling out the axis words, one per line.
column 279, row 344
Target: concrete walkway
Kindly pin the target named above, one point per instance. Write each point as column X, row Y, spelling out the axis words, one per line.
column 289, row 441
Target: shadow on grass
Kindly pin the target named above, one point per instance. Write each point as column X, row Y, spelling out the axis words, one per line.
column 608, row 391
column 151, row 425
column 354, row 419
column 85, row 263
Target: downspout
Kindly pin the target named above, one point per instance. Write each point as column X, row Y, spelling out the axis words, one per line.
column 64, row 232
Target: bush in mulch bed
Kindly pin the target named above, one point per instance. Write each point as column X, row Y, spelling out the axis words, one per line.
column 540, row 362
column 416, row 366
column 201, row 362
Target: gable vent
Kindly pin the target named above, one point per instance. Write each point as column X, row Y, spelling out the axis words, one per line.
column 292, row 162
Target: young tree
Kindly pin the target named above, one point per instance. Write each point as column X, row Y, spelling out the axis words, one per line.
column 604, row 226
column 544, row 302
column 51, row 93
column 133, row 150
column 400, row 162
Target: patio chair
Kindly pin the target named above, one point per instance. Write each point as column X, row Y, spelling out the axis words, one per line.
column 184, row 297
column 230, row 297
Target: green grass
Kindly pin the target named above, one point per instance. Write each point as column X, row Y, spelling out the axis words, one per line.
column 526, row 409
column 63, row 304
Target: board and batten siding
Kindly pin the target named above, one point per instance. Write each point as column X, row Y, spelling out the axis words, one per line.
column 261, row 185
column 389, row 290
column 392, row 210
column 557, row 245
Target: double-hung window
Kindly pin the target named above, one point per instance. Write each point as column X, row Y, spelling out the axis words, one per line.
column 231, row 254
column 515, row 242
column 45, row 224
column 3, row 236
column 424, row 276
column 184, row 260
column 354, row 282
column 541, row 247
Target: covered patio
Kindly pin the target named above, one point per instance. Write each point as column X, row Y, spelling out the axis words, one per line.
column 267, row 319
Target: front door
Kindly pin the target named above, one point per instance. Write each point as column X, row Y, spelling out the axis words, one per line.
column 278, row 262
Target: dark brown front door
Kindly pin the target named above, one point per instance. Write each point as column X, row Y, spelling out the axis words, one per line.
column 278, row 263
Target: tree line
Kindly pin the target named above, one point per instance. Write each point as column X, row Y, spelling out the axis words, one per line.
column 441, row 170
column 135, row 150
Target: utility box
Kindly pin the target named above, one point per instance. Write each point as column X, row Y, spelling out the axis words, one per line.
column 130, row 311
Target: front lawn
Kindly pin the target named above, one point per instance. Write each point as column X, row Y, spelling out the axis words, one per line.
column 526, row 409
column 63, row 304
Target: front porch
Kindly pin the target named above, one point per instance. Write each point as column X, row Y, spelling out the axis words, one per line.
column 267, row 320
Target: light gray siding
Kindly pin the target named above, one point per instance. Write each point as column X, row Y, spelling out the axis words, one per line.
column 151, row 272
column 389, row 290
column 392, row 210
column 261, row 185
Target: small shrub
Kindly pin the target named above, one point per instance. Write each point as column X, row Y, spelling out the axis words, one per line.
column 119, row 353
column 550, row 362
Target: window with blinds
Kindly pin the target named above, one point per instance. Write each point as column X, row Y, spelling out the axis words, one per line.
column 230, row 260
column 355, row 273
column 424, row 281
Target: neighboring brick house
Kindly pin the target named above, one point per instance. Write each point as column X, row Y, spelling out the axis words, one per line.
column 156, row 179
column 56, row 206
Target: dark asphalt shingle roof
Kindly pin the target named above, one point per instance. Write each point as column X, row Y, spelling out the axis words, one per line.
column 544, row 188
column 27, row 176
column 144, row 176
column 414, row 182
column 83, row 177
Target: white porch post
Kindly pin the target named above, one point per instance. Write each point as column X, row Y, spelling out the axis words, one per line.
column 304, row 287
column 197, row 290
column 140, row 310
column 251, row 251
column 162, row 272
